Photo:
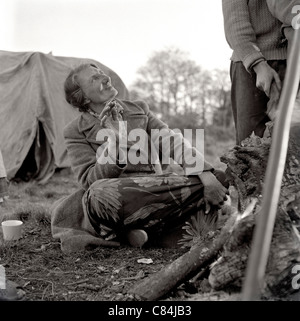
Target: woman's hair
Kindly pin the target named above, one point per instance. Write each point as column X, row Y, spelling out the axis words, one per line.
column 73, row 93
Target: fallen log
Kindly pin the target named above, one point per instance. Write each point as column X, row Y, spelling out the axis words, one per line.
column 185, row 267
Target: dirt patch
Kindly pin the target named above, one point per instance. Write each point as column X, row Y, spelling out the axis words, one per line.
column 45, row 273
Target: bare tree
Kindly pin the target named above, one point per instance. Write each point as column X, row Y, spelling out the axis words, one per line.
column 171, row 78
column 173, row 84
column 221, row 98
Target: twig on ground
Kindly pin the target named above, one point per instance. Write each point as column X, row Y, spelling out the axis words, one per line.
column 52, row 287
column 77, row 282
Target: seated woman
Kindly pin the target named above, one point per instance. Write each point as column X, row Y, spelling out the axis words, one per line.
column 127, row 196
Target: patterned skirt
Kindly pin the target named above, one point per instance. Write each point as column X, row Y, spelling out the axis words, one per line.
column 157, row 204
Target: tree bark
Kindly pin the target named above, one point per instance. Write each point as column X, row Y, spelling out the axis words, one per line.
column 246, row 169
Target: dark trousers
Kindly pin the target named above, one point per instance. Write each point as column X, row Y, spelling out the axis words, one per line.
column 249, row 104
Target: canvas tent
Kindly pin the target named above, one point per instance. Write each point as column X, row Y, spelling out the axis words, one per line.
column 33, row 111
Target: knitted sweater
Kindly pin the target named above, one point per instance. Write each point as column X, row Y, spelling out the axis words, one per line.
column 285, row 10
column 252, row 32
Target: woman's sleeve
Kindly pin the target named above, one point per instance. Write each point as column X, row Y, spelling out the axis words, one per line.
column 84, row 160
column 239, row 32
column 172, row 144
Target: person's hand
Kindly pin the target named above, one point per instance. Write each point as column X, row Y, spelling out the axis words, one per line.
column 265, row 76
column 111, row 119
column 110, row 110
column 215, row 193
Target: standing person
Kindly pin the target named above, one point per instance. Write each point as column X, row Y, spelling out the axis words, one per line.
column 258, row 62
column 125, row 199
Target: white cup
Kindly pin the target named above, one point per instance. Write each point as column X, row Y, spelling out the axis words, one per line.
column 12, row 229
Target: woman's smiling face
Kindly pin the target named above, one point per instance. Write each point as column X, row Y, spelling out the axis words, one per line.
column 96, row 85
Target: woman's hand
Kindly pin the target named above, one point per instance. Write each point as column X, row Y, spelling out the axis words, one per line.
column 215, row 193
column 111, row 119
column 265, row 76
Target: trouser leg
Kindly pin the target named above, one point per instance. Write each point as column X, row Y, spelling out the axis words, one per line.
column 249, row 104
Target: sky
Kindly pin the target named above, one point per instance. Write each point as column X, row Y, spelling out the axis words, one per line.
column 121, row 34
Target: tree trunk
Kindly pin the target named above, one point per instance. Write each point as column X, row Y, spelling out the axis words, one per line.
column 246, row 169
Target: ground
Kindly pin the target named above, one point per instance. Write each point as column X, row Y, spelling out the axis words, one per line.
column 37, row 264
